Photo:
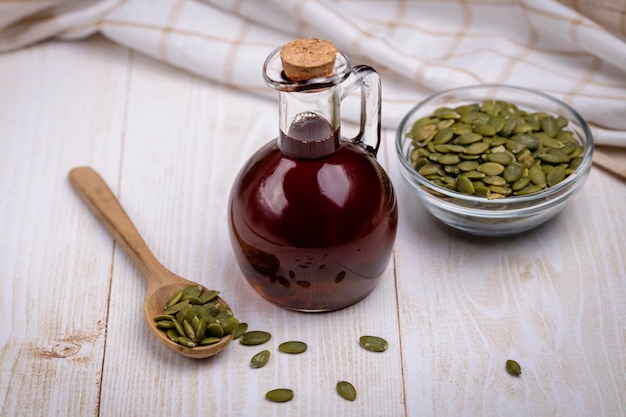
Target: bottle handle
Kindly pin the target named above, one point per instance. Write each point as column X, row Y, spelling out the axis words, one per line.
column 368, row 80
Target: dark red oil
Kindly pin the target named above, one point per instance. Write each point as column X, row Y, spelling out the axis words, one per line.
column 313, row 223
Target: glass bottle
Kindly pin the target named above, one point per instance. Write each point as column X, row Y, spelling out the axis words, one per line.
column 312, row 215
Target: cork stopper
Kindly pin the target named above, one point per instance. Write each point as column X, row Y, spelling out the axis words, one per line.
column 305, row 59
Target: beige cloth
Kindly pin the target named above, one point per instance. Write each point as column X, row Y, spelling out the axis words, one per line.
column 574, row 50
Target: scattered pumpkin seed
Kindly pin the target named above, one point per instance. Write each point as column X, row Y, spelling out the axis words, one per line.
column 373, row 343
column 254, row 337
column 346, row 390
column 293, row 347
column 279, row 395
column 513, row 367
column 260, row 359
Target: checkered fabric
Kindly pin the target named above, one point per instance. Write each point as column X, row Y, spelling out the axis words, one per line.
column 574, row 50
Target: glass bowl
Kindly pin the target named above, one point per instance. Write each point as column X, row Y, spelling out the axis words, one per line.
column 502, row 216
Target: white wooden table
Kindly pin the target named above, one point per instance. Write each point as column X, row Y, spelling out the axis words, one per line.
column 453, row 307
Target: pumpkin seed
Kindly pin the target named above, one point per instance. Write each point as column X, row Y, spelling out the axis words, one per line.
column 241, row 329
column 529, row 141
column 346, row 390
column 467, row 108
column 425, row 133
column 185, row 341
column 476, row 148
column 176, row 307
column 548, row 124
column 254, row 337
column 461, row 128
column 555, row 176
column 449, row 159
column 513, row 172
column 280, row 395
column 468, row 165
column 229, row 325
column 446, row 113
column 491, row 168
column 464, row 185
column 520, row 183
column 292, row 347
column 509, row 126
column 494, row 180
column 192, row 299
column 474, row 175
column 191, row 334
column 513, row 367
column 484, row 129
column 497, row 122
column 554, row 156
column 429, row 169
column 174, row 299
column 179, row 327
column 468, row 138
column 192, row 290
column 502, row 190
column 373, row 343
column 161, row 317
column 209, row 341
column 443, row 136
column 502, row 158
column 207, row 296
column 260, row 359
column 575, row 163
column 481, row 190
column 200, row 328
column 165, row 325
column 529, row 189
column 537, row 176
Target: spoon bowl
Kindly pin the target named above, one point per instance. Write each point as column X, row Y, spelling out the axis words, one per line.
column 161, row 283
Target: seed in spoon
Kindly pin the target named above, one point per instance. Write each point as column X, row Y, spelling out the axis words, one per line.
column 174, row 298
column 99, row 198
column 187, row 314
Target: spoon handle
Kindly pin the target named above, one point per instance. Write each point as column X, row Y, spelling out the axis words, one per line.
column 107, row 208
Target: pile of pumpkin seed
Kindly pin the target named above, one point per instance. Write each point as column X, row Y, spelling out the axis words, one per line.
column 194, row 317
column 493, row 149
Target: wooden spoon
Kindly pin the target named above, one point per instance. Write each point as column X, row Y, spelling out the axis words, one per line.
column 161, row 282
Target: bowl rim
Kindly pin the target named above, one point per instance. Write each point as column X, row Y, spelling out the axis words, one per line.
column 544, row 195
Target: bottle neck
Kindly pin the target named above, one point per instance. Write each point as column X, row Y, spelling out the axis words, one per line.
column 309, row 123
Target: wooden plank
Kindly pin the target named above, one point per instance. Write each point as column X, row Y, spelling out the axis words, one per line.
column 62, row 105
column 185, row 141
column 552, row 299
